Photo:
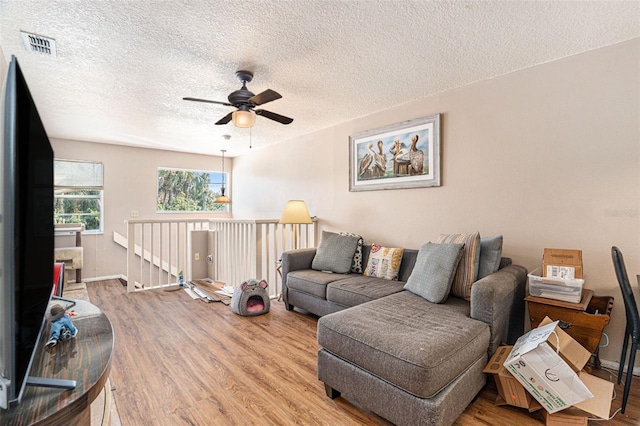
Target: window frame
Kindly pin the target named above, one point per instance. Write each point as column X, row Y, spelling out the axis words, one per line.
column 224, row 181
column 63, row 192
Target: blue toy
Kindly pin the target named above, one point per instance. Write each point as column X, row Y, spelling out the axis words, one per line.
column 61, row 326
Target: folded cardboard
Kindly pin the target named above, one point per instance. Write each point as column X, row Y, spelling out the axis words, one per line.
column 599, row 405
column 510, row 391
column 545, row 360
column 572, row 352
column 565, row 419
column 539, row 367
column 562, row 263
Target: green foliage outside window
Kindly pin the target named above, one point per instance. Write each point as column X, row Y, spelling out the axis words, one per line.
column 78, row 206
column 189, row 191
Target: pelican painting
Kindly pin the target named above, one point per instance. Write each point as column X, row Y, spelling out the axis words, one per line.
column 402, row 155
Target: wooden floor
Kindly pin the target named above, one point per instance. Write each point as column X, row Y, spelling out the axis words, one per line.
column 179, row 361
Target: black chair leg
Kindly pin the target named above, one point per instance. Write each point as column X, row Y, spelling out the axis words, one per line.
column 627, row 384
column 623, row 356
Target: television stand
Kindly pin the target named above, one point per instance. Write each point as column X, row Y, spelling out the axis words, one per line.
column 85, row 360
column 43, row 382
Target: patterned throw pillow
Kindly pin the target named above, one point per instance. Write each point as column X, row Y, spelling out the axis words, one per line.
column 384, row 262
column 467, row 271
column 356, row 264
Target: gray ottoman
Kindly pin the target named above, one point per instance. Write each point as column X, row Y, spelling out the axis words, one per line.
column 404, row 358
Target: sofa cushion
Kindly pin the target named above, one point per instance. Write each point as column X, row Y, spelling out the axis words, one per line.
column 490, row 255
column 467, row 272
column 438, row 342
column 312, row 282
column 356, row 263
column 434, row 270
column 384, row 262
column 335, row 253
column 358, row 289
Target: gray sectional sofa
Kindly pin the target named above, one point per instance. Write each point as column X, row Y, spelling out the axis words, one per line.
column 393, row 352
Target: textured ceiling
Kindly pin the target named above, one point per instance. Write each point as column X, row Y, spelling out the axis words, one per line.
column 123, row 67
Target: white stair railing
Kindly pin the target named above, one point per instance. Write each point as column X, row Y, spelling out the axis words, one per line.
column 158, row 249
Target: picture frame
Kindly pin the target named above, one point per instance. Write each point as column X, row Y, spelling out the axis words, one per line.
column 398, row 156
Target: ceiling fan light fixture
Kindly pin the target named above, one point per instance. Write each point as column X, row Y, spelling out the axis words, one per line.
column 243, row 118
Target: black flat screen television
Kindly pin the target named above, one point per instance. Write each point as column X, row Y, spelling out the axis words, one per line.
column 26, row 232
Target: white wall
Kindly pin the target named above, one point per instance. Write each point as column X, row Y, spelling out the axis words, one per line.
column 130, row 183
column 547, row 156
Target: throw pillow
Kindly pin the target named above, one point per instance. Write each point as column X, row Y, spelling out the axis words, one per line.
column 356, row 264
column 433, row 273
column 468, row 267
column 384, row 262
column 490, row 255
column 334, row 253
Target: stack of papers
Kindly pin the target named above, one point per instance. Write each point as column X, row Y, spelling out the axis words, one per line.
column 227, row 290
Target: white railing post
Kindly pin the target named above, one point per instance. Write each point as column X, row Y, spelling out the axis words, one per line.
column 131, row 255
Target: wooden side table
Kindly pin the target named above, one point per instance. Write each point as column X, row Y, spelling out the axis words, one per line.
column 584, row 321
column 85, row 359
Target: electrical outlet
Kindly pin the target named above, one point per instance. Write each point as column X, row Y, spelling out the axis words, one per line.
column 196, row 256
column 135, row 213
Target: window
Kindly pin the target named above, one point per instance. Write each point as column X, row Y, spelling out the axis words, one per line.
column 78, row 189
column 190, row 190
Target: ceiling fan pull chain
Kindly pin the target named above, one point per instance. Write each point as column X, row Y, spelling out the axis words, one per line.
column 250, row 139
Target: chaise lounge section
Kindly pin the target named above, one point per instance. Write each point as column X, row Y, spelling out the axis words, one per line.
column 394, row 352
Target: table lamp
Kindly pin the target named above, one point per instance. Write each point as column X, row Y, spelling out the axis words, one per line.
column 296, row 213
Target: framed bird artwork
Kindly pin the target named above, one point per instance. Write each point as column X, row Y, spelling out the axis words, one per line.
column 402, row 155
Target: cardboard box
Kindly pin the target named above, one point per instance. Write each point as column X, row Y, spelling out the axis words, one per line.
column 572, row 352
column 599, row 405
column 562, row 263
column 510, row 391
column 536, row 361
column 548, row 375
column 564, row 419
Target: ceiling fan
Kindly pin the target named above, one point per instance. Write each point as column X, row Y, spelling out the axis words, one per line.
column 245, row 101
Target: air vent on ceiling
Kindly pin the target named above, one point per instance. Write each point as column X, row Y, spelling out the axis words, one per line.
column 37, row 43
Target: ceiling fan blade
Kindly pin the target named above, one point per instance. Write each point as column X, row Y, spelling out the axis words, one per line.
column 264, row 97
column 207, row 101
column 275, row 117
column 225, row 119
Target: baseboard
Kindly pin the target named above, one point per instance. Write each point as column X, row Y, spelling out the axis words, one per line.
column 104, row 278
column 611, row 365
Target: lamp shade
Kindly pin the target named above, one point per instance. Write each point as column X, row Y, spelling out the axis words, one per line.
column 243, row 118
column 295, row 212
column 223, row 199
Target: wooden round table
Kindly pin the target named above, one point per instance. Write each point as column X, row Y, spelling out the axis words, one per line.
column 85, row 359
